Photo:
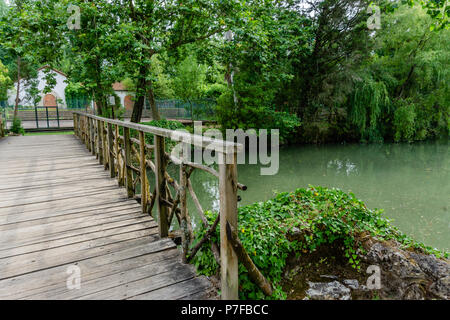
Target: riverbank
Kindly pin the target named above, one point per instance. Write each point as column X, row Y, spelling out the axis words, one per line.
column 318, row 243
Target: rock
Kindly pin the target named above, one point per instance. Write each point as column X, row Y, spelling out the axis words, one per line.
column 394, row 260
column 408, row 275
column 413, row 292
column 328, row 291
column 441, row 288
column 431, row 265
column 329, row 276
column 352, row 283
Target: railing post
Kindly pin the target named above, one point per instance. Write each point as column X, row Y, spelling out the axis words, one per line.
column 92, row 123
column 74, row 118
column 112, row 169
column 228, row 213
column 144, row 196
column 160, row 165
column 183, row 208
column 88, row 133
column 129, row 172
column 100, row 141
column 119, row 156
column 104, row 147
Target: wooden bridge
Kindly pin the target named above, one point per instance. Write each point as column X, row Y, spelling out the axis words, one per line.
column 63, row 217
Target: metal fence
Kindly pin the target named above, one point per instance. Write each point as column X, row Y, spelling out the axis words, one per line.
column 199, row 109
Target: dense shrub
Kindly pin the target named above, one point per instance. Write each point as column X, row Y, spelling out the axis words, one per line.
column 404, row 118
column 248, row 116
column 17, row 127
column 322, row 215
column 163, row 123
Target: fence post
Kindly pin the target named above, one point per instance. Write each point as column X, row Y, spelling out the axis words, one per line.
column 128, row 170
column 144, row 196
column 183, row 208
column 89, row 133
column 160, row 165
column 112, row 169
column 100, row 141
column 92, row 136
column 104, row 148
column 228, row 213
column 2, row 133
column 119, row 156
column 74, row 117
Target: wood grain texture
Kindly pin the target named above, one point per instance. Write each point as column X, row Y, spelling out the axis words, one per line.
column 60, row 208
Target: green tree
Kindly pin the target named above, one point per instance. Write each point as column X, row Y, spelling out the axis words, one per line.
column 150, row 28
column 5, row 82
column 189, row 81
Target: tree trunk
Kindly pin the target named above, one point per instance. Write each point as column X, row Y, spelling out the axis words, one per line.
column 16, row 107
column 141, row 89
column 138, row 107
column 152, row 102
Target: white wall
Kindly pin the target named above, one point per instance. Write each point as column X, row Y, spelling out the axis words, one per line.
column 57, row 91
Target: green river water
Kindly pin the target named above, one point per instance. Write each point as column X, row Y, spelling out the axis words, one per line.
column 411, row 182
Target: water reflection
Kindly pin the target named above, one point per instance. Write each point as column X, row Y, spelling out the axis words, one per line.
column 409, row 181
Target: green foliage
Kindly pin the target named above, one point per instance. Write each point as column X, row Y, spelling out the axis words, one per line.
column 404, row 118
column 323, row 216
column 16, row 127
column 248, row 116
column 189, row 82
column 368, row 103
column 77, row 96
column 402, row 91
column 163, row 123
column 5, row 82
column 163, row 84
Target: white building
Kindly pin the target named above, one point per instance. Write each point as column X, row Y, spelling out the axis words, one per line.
column 54, row 98
column 57, row 96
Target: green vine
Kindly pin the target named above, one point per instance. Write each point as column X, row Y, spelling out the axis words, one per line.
column 320, row 215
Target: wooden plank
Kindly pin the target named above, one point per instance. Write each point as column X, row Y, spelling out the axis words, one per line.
column 59, row 208
column 56, row 282
column 129, row 290
column 176, row 289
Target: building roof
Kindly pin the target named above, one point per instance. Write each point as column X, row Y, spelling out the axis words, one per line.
column 119, row 86
column 56, row 70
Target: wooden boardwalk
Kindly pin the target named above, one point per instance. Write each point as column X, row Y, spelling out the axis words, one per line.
column 59, row 208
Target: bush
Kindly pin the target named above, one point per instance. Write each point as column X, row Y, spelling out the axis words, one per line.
column 324, row 216
column 246, row 116
column 17, row 127
column 163, row 123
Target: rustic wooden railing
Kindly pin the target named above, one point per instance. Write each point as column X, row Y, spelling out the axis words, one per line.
column 2, row 132
column 129, row 158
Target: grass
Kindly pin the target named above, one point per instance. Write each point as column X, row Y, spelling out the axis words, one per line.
column 47, row 133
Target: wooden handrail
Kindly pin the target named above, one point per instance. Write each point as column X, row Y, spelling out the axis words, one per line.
column 118, row 154
column 222, row 146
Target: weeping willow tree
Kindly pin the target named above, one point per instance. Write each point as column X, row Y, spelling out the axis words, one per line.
column 368, row 106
